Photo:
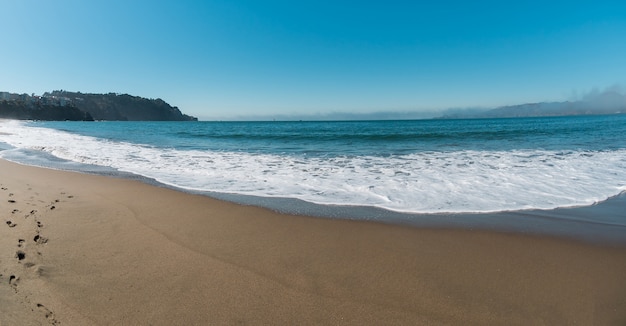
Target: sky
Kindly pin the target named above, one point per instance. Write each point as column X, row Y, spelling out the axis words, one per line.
column 240, row 59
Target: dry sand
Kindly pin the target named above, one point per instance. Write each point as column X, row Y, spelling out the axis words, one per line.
column 80, row 249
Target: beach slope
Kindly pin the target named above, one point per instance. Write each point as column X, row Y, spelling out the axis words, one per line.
column 80, row 249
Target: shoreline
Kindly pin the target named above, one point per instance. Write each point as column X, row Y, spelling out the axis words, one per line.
column 607, row 226
column 102, row 250
column 601, row 223
column 483, row 174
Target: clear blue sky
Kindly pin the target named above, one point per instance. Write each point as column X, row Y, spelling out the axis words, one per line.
column 223, row 59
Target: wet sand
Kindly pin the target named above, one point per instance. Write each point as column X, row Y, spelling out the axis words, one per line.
column 80, row 249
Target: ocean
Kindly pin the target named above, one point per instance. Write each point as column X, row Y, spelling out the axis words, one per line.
column 407, row 167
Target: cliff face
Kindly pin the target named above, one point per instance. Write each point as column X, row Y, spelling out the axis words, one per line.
column 113, row 106
column 63, row 105
column 37, row 111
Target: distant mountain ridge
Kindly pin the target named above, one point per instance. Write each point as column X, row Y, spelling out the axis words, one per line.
column 608, row 102
column 64, row 105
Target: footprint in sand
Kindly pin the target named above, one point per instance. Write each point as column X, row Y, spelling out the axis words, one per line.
column 39, row 239
column 13, row 280
column 11, row 224
column 20, row 255
column 49, row 314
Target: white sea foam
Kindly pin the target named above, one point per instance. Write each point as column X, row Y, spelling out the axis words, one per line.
column 426, row 182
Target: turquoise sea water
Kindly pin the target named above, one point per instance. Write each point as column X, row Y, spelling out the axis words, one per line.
column 421, row 166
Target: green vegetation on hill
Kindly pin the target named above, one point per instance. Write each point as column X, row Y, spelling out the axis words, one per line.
column 64, row 105
column 38, row 111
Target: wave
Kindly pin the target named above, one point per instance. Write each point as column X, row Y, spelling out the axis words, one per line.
column 423, row 182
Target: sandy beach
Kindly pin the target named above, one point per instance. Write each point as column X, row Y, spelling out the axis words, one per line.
column 79, row 249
